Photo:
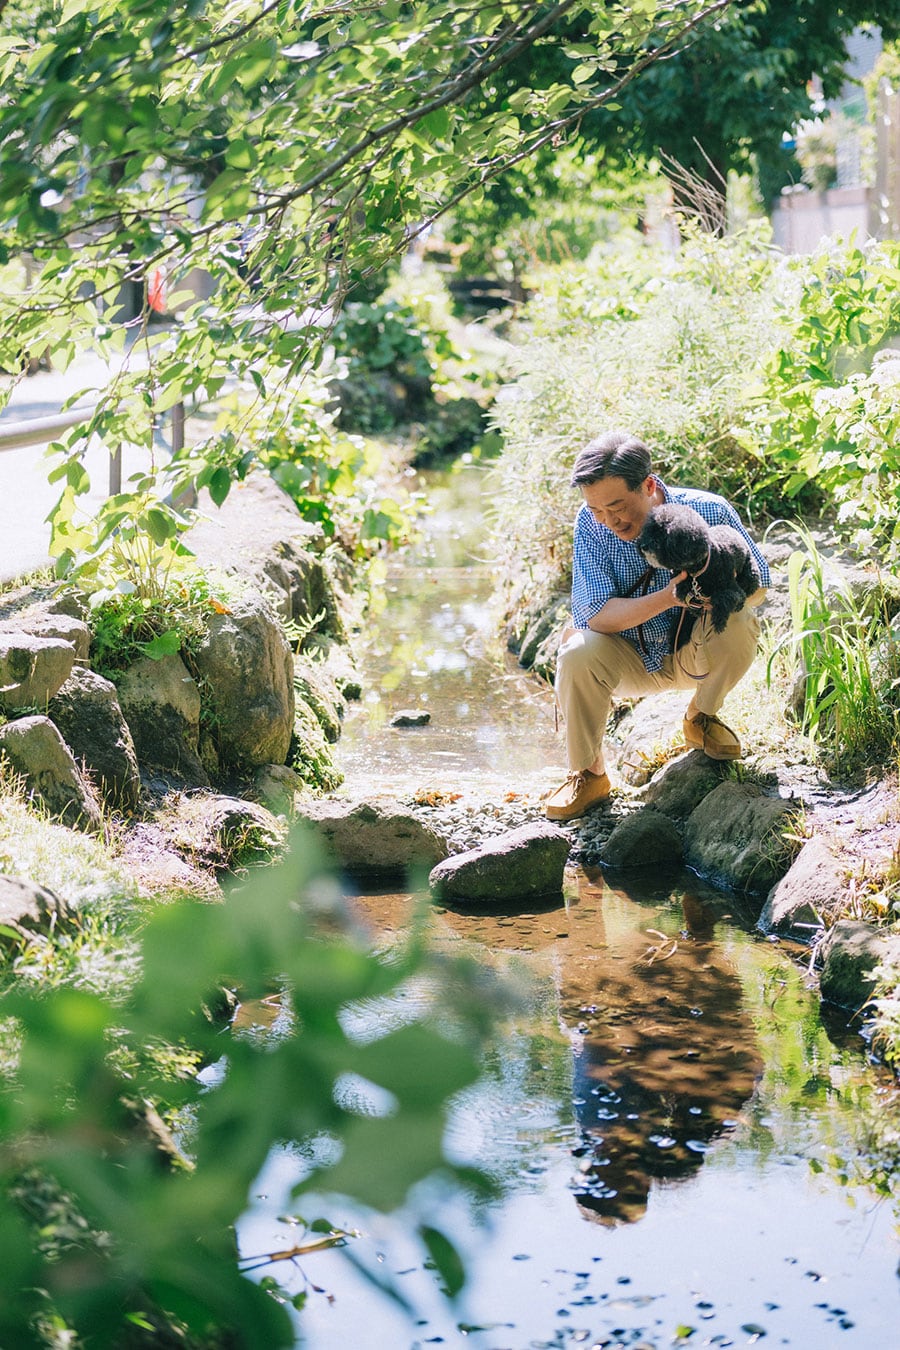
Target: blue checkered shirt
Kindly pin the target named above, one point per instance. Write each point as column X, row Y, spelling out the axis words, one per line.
column 605, row 566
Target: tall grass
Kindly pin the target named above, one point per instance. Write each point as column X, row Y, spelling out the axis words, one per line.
column 664, row 347
column 848, row 659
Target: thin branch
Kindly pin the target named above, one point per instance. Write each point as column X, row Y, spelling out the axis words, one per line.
column 234, row 35
column 461, row 86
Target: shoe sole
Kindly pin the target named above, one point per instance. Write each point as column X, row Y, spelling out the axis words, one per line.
column 714, row 754
column 560, row 816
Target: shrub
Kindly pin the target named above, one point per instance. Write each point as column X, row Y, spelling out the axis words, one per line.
column 664, row 347
column 825, row 412
column 383, row 345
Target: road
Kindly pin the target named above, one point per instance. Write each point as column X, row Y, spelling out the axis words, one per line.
column 25, row 495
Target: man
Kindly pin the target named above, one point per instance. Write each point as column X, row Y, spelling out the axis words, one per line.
column 621, row 639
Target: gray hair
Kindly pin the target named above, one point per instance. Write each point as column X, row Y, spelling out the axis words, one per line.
column 615, row 454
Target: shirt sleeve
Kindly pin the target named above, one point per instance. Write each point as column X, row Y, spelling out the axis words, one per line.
column 593, row 582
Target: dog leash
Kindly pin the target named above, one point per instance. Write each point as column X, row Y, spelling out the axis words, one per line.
column 695, row 602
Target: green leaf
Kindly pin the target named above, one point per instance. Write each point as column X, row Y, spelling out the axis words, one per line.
column 446, row 1258
column 165, row 644
column 241, row 155
column 159, row 525
column 219, row 485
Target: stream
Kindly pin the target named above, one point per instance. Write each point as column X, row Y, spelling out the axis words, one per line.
column 684, row 1147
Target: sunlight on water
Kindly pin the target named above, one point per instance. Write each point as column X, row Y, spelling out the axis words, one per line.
column 672, row 1134
column 680, row 1150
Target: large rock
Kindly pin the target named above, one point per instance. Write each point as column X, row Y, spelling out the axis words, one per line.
column 37, row 752
column 245, row 664
column 46, row 623
column 815, row 885
column 161, row 703
column 519, row 865
column 87, row 712
column 738, row 836
column 645, row 838
column 373, row 837
column 221, row 833
column 32, row 669
column 680, row 786
column 849, row 954
column 277, row 787
column 258, row 533
column 645, row 734
column 27, row 908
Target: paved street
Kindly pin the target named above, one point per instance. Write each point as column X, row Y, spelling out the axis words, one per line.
column 25, row 495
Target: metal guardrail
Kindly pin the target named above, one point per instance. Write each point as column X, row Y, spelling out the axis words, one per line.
column 37, row 430
column 40, row 430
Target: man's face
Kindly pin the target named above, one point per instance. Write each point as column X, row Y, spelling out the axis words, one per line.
column 614, row 504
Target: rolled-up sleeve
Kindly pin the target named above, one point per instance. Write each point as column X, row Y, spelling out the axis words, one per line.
column 593, row 582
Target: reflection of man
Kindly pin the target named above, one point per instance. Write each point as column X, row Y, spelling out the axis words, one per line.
column 622, row 612
column 668, row 1057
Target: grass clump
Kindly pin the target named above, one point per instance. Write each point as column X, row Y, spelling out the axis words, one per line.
column 847, row 660
column 93, row 946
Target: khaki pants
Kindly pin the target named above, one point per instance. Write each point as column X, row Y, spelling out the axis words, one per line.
column 591, row 667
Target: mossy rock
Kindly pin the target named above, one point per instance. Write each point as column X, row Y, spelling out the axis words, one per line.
column 309, row 754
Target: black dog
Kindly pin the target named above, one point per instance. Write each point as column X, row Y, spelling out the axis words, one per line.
column 720, row 567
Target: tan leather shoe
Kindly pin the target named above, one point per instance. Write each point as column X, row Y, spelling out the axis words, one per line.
column 703, row 731
column 576, row 795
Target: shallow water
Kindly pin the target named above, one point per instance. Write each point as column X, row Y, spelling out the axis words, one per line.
column 681, row 1147
column 431, row 645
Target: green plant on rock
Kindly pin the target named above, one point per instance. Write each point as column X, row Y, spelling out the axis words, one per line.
column 133, row 542
column 309, row 752
column 127, row 625
column 846, row 660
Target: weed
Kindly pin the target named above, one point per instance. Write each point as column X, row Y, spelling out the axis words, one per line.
column 127, row 625
column 845, row 703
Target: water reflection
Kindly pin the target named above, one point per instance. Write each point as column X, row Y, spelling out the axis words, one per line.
column 662, row 1118
column 667, row 1055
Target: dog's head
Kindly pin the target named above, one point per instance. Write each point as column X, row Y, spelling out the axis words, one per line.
column 675, row 537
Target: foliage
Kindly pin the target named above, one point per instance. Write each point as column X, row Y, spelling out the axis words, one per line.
column 826, row 413
column 126, row 625
column 333, row 477
column 130, row 544
column 724, row 101
column 664, row 346
column 151, row 1245
column 547, row 212
column 849, row 702
column 386, row 336
column 283, row 153
column 386, row 354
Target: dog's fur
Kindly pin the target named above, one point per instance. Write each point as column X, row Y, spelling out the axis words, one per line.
column 678, row 538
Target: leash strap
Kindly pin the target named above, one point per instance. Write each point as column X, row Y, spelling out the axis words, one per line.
column 641, row 587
